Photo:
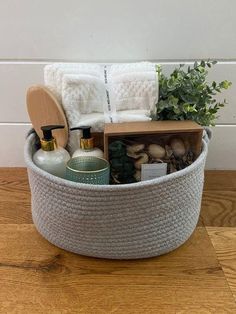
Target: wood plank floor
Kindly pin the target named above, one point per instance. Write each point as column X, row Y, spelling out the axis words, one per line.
column 199, row 277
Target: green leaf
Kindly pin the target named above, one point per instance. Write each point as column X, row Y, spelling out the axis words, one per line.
column 203, row 63
column 213, row 84
column 225, row 84
column 186, row 94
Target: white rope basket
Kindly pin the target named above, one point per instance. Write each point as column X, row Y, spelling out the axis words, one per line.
column 128, row 221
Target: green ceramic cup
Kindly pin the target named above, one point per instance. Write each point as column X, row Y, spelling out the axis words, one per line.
column 88, row 169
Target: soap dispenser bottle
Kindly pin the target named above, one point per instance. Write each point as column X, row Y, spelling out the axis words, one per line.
column 50, row 157
column 87, row 144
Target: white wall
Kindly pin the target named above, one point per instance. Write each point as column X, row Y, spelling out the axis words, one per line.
column 35, row 32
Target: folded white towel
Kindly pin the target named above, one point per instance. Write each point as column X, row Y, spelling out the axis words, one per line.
column 82, row 98
column 97, row 121
column 53, row 73
column 121, row 68
column 133, row 115
column 82, row 93
column 135, row 90
column 133, row 85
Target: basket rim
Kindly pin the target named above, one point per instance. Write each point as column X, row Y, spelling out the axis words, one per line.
column 70, row 184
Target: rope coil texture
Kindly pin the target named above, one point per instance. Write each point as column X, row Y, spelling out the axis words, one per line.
column 129, row 221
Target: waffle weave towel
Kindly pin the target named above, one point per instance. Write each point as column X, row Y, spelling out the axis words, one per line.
column 83, row 91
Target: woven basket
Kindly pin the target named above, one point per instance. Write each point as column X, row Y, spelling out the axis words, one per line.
column 129, row 221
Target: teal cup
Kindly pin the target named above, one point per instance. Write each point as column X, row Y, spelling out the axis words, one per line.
column 88, row 169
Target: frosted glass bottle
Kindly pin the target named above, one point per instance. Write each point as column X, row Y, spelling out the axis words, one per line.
column 50, row 157
column 87, row 144
column 89, row 152
column 53, row 162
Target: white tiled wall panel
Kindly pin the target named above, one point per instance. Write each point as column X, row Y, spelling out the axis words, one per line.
column 12, row 138
column 15, row 78
column 117, row 30
column 34, row 33
column 222, row 148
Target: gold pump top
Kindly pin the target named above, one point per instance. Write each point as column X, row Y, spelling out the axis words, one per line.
column 87, row 143
column 48, row 145
column 48, row 142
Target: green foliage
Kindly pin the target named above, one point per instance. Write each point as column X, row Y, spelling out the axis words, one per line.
column 122, row 166
column 186, row 95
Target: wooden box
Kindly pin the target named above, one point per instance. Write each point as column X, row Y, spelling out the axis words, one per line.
column 187, row 130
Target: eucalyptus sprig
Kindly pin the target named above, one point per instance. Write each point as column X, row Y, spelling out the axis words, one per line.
column 186, row 95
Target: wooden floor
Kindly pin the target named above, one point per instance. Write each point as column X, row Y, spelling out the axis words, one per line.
column 199, row 277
